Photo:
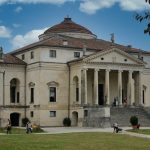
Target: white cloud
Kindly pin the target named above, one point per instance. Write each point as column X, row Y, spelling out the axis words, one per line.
column 134, row 5
column 4, row 32
column 35, row 1
column 91, row 6
column 18, row 9
column 23, row 40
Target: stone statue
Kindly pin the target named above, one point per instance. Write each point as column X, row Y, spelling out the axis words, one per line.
column 1, row 53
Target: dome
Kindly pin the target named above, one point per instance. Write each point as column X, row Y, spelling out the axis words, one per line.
column 69, row 28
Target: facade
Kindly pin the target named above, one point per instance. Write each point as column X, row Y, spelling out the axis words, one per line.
column 71, row 73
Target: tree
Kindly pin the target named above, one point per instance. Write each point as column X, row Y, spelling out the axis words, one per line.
column 145, row 16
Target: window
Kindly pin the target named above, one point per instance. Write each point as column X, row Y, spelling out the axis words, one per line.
column 32, row 55
column 52, row 113
column 23, row 56
column 77, row 94
column 52, row 97
column 143, row 97
column 142, row 58
column 32, row 95
column 32, row 114
column 77, row 54
column 52, row 53
column 85, row 113
column 18, row 97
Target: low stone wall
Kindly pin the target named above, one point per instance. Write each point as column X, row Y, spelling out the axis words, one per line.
column 96, row 117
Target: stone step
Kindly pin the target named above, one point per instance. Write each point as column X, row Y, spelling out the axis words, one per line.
column 122, row 116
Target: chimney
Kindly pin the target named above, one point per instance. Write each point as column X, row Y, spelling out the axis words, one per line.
column 84, row 50
column 1, row 54
column 112, row 38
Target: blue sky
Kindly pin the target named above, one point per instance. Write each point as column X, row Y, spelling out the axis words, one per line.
column 21, row 21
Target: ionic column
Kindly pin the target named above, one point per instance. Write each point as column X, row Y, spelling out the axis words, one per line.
column 120, row 86
column 85, row 86
column 80, row 87
column 129, row 90
column 107, row 98
column 96, row 86
column 140, row 89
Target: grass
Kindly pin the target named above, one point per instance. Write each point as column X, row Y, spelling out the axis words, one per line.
column 73, row 141
column 140, row 131
column 20, row 130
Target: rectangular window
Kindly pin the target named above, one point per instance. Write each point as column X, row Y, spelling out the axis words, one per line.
column 18, row 97
column 32, row 95
column 77, row 94
column 13, row 94
column 52, row 53
column 77, row 54
column 52, row 97
column 23, row 56
column 52, row 113
column 85, row 113
column 32, row 55
column 32, row 114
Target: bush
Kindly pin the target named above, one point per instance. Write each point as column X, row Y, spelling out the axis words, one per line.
column 24, row 121
column 67, row 122
column 134, row 120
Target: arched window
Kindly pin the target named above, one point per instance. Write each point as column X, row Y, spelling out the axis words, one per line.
column 14, row 91
column 76, row 88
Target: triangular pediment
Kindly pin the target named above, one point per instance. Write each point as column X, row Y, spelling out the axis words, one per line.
column 113, row 55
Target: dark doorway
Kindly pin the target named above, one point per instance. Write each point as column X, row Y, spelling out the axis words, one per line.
column 14, row 118
column 101, row 94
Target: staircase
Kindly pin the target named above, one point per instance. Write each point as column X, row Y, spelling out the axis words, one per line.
column 122, row 115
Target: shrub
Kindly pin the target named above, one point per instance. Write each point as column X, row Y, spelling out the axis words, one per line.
column 67, row 122
column 134, row 120
column 24, row 121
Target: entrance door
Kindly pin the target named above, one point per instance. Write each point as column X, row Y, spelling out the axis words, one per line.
column 75, row 118
column 101, row 94
column 14, row 118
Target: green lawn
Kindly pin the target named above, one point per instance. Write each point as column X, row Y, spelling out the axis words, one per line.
column 73, row 141
column 20, row 131
column 141, row 131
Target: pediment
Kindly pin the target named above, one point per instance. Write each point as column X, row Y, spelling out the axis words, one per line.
column 113, row 56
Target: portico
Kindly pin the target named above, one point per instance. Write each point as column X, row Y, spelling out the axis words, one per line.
column 110, row 83
column 103, row 86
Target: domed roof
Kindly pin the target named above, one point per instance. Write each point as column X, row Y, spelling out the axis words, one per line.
column 68, row 26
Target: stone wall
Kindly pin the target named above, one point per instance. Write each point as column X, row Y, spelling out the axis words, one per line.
column 96, row 117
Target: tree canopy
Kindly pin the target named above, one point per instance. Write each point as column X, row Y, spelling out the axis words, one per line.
column 145, row 16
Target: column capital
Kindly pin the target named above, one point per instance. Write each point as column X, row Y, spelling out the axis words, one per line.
column 120, row 71
column 107, row 70
column 130, row 71
column 84, row 69
column 96, row 69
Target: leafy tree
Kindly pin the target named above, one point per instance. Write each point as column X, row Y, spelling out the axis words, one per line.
column 145, row 16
